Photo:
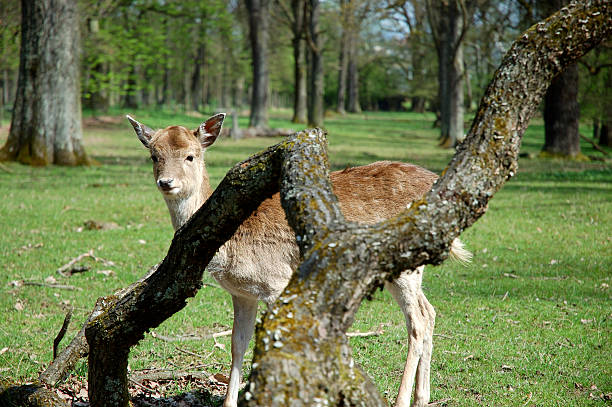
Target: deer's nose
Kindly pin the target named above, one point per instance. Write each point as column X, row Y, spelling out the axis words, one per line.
column 165, row 183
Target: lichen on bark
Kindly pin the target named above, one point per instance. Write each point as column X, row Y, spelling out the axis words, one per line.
column 343, row 263
column 301, row 354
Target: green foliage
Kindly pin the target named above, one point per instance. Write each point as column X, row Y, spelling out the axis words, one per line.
column 528, row 322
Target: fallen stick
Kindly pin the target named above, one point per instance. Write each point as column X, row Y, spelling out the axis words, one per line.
column 50, row 285
column 156, row 375
column 5, row 168
column 377, row 332
column 62, row 270
column 182, row 338
column 78, row 346
column 595, row 145
column 142, row 386
column 191, row 353
column 62, row 332
column 440, row 402
column 65, row 360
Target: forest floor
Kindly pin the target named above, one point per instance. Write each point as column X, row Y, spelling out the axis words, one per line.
column 528, row 322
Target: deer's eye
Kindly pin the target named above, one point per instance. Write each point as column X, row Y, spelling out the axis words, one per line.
column 189, row 158
column 154, row 158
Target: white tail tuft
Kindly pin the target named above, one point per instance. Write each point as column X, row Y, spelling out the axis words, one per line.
column 459, row 253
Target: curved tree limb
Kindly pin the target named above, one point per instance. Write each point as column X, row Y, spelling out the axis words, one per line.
column 301, row 355
column 127, row 316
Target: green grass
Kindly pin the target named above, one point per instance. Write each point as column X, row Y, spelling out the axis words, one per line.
column 527, row 323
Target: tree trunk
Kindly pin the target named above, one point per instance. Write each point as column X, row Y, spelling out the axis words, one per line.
column 353, row 73
column 259, row 13
column 28, row 395
column 301, row 353
column 417, row 104
column 316, row 110
column 450, row 73
column 46, row 125
column 299, row 60
column 130, row 100
column 239, row 92
column 605, row 135
column 342, row 59
column 561, row 112
column 301, row 357
column 196, row 79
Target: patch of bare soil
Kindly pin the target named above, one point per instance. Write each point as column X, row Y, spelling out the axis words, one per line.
column 103, row 122
column 200, row 389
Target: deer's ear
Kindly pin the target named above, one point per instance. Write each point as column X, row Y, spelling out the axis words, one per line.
column 208, row 131
column 143, row 132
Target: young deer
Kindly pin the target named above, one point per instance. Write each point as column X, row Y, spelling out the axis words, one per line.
column 257, row 262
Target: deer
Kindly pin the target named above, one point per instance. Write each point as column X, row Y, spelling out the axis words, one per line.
column 257, row 262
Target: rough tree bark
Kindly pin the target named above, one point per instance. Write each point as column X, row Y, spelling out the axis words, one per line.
column 448, row 24
column 561, row 113
column 316, row 109
column 46, row 123
column 342, row 59
column 605, row 132
column 300, row 107
column 353, row 75
column 259, row 16
column 301, row 354
column 561, row 110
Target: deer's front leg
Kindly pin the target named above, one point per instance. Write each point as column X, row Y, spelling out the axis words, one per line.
column 245, row 311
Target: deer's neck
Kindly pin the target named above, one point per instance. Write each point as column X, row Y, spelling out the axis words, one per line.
column 182, row 209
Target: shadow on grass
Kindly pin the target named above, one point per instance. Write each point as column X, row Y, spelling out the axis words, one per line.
column 199, row 398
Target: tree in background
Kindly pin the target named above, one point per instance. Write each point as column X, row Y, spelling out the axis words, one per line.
column 561, row 110
column 605, row 131
column 316, row 110
column 595, row 94
column 342, row 58
column 259, row 16
column 46, row 123
column 295, row 17
column 9, row 46
column 413, row 55
column 448, row 23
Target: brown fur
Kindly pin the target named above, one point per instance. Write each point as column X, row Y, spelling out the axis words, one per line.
column 259, row 259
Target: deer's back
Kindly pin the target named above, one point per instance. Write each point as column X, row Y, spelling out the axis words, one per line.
column 259, row 259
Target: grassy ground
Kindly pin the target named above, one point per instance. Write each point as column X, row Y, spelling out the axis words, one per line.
column 527, row 323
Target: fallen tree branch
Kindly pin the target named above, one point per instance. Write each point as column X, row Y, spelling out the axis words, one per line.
column 5, row 168
column 78, row 347
column 67, row 359
column 29, row 395
column 250, row 132
column 52, row 285
column 439, row 402
column 158, row 375
column 62, row 332
column 379, row 331
column 594, row 144
column 183, row 338
column 67, row 272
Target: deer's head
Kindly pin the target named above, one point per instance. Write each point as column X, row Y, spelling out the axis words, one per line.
column 178, row 155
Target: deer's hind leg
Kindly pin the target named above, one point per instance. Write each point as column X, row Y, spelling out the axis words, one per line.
column 420, row 318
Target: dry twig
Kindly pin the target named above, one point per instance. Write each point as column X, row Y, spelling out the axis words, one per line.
column 157, row 375
column 182, row 338
column 58, row 286
column 439, row 402
column 379, row 331
column 595, row 145
column 67, row 271
column 62, row 332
